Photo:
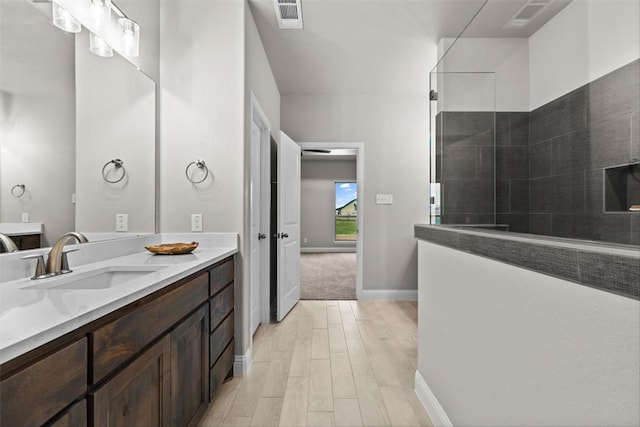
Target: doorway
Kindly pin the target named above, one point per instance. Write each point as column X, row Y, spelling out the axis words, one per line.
column 329, row 260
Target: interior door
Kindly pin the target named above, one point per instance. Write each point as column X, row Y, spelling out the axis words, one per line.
column 256, row 233
column 288, row 232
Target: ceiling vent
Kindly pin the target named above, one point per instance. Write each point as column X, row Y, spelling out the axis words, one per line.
column 288, row 14
column 527, row 13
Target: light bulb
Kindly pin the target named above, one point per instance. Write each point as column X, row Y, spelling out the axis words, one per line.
column 63, row 19
column 131, row 37
column 99, row 47
column 100, row 13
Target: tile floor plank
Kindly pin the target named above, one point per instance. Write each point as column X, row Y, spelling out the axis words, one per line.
column 320, row 389
column 320, row 344
column 294, row 405
column 347, row 413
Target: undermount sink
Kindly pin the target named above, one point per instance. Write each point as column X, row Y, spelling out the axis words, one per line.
column 101, row 278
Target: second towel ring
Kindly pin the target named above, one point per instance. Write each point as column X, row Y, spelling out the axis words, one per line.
column 199, row 163
column 118, row 164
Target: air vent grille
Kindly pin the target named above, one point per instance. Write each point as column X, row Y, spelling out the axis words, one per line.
column 288, row 14
column 527, row 13
column 288, row 11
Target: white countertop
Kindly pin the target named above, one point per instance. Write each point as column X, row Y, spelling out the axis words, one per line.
column 20, row 228
column 32, row 317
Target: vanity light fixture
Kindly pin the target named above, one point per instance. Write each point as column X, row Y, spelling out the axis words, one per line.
column 63, row 19
column 99, row 47
column 131, row 36
column 105, row 32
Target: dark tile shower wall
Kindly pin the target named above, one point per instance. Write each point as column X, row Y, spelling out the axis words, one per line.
column 572, row 140
column 465, row 160
column 465, row 166
column 549, row 163
column 512, row 171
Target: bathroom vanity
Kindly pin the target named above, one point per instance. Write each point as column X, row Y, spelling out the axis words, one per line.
column 24, row 235
column 151, row 346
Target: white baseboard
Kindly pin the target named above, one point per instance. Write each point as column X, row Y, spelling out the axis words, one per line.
column 435, row 411
column 389, row 295
column 241, row 364
column 338, row 249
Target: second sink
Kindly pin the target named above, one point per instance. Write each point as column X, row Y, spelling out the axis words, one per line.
column 101, row 278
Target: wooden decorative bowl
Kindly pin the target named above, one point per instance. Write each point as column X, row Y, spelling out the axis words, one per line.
column 172, row 248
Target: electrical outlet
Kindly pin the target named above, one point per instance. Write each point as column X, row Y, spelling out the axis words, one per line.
column 305, row 240
column 122, row 222
column 384, row 199
column 25, row 216
column 196, row 222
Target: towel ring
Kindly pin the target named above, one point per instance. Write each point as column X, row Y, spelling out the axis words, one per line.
column 199, row 163
column 118, row 164
column 18, row 190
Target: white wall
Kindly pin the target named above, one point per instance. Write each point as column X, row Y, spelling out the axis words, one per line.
column 586, row 40
column 318, row 200
column 506, row 90
column 259, row 80
column 115, row 106
column 37, row 119
column 394, row 129
column 501, row 345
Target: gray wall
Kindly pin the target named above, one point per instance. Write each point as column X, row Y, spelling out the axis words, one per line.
column 317, row 219
column 394, row 131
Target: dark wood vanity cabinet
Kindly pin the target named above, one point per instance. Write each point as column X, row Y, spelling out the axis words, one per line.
column 156, row 362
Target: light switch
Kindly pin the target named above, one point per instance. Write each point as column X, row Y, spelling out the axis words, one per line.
column 384, row 199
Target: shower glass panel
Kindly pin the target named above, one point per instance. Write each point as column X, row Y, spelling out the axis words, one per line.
column 463, row 129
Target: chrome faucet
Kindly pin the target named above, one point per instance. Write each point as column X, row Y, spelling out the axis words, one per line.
column 8, row 244
column 57, row 258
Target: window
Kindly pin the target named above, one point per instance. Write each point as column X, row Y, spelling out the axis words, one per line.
column 346, row 211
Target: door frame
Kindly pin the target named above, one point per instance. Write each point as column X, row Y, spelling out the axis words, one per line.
column 359, row 148
column 260, row 118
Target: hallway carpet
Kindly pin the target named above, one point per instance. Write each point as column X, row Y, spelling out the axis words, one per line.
column 328, row 276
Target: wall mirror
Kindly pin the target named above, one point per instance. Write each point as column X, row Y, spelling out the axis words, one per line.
column 64, row 114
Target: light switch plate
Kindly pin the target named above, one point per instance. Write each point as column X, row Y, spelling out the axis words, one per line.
column 384, row 199
column 196, row 222
column 25, row 216
column 122, row 222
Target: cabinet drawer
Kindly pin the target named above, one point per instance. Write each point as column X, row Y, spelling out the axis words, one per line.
column 221, row 276
column 221, row 370
column 43, row 389
column 121, row 339
column 221, row 305
column 220, row 338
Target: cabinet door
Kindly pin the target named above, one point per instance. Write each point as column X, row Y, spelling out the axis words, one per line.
column 189, row 368
column 139, row 394
column 76, row 416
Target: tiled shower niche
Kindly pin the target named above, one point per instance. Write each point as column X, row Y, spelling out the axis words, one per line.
column 549, row 163
column 622, row 188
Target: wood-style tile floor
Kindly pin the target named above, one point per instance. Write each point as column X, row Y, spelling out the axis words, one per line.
column 329, row 363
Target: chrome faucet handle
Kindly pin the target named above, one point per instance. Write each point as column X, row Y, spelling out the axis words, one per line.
column 40, row 269
column 65, row 262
